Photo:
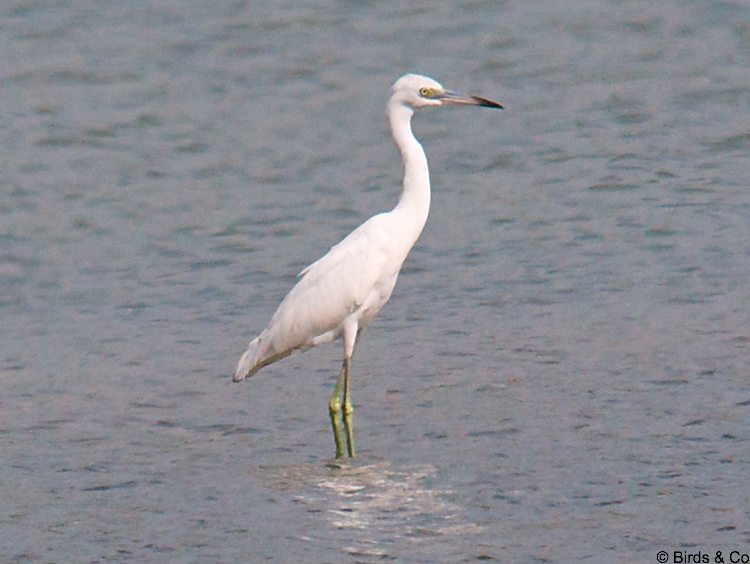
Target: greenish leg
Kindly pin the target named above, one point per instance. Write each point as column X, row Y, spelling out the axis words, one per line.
column 348, row 410
column 334, row 410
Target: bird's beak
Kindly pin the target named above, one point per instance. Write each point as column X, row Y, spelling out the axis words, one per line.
column 454, row 98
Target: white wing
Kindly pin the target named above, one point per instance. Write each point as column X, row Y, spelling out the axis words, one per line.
column 356, row 277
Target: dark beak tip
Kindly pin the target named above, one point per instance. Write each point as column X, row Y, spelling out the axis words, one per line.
column 487, row 103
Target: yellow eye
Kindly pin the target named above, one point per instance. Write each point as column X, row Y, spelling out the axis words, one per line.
column 425, row 92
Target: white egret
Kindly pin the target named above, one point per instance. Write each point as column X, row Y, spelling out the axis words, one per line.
column 339, row 294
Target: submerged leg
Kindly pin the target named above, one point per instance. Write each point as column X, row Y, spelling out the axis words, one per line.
column 342, row 397
column 334, row 410
column 348, row 410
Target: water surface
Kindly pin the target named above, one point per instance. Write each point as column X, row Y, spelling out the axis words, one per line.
column 562, row 372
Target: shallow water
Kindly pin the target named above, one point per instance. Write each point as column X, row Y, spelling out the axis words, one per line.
column 562, row 373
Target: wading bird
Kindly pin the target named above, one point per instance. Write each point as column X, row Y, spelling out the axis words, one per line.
column 339, row 294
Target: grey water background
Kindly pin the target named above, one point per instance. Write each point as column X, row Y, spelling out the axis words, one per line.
column 562, row 373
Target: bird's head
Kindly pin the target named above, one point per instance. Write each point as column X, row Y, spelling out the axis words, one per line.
column 417, row 91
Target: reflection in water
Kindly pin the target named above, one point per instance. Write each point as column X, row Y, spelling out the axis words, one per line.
column 376, row 502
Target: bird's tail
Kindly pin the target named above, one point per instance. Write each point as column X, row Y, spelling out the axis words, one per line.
column 250, row 361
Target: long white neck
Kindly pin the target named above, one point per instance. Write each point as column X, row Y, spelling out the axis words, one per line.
column 414, row 204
